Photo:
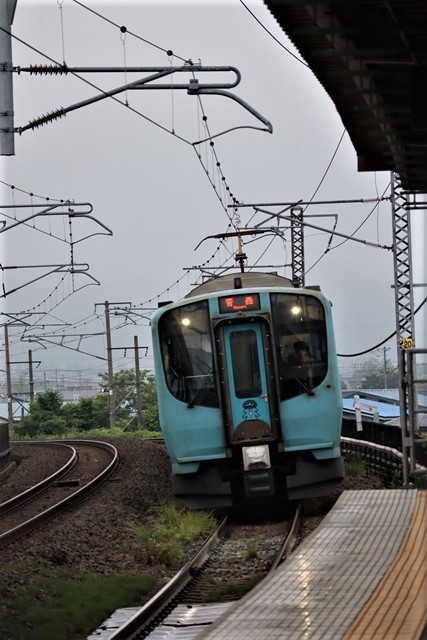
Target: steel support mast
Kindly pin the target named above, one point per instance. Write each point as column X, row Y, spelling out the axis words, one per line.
column 297, row 242
column 405, row 325
column 7, row 143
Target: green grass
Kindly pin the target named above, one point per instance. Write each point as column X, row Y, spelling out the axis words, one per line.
column 60, row 604
column 168, row 531
column 251, row 552
column 354, row 465
column 117, row 432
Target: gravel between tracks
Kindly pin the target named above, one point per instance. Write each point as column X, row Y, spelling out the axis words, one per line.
column 96, row 536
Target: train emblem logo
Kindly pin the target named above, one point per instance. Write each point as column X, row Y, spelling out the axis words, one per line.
column 250, row 410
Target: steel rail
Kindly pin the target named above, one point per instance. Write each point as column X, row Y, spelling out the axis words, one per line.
column 151, row 609
column 38, row 488
column 146, row 616
column 69, row 501
column 290, row 539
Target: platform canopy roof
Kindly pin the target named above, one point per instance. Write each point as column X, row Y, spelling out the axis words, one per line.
column 371, row 58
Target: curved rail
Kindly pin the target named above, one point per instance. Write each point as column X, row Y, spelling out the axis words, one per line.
column 32, row 492
column 70, row 500
column 152, row 608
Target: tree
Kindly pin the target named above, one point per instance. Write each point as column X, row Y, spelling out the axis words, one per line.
column 87, row 414
column 44, row 416
column 50, row 401
column 49, row 415
column 126, row 398
column 377, row 375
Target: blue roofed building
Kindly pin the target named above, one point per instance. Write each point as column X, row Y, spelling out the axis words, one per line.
column 380, row 405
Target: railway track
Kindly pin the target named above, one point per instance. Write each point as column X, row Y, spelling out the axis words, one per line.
column 213, row 578
column 89, row 465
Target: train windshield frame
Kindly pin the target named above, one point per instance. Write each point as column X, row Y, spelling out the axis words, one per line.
column 301, row 342
column 187, row 354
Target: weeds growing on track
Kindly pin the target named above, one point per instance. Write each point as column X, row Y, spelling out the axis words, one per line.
column 167, row 532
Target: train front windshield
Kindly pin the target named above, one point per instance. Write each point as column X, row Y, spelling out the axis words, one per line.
column 187, row 354
column 300, row 338
column 299, row 329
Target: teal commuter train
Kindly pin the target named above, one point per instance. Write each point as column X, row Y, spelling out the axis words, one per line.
column 249, row 392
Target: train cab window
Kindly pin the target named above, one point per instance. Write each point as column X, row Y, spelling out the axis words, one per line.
column 300, row 338
column 246, row 371
column 187, row 354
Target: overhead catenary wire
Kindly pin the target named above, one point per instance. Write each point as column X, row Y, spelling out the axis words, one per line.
column 35, row 195
column 305, row 64
column 57, row 114
column 31, row 194
column 169, row 131
column 312, row 198
column 329, row 166
column 365, row 220
column 380, row 344
column 169, row 52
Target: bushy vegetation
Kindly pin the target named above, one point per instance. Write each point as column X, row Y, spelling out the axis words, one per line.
column 167, row 532
column 354, row 464
column 50, row 416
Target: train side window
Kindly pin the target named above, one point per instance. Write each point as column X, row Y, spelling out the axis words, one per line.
column 187, row 354
column 300, row 337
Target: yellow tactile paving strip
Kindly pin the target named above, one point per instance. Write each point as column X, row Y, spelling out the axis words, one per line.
column 398, row 607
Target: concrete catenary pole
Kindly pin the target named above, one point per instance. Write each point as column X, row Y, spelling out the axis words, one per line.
column 111, row 398
column 7, row 143
column 30, row 375
column 8, row 379
column 138, row 383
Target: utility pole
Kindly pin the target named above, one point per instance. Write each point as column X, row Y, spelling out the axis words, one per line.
column 8, row 379
column 30, row 374
column 137, row 384
column 111, row 399
column 385, row 366
column 7, row 144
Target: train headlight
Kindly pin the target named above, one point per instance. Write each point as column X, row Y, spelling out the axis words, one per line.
column 256, row 457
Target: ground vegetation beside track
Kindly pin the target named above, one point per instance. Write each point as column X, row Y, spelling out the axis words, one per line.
column 93, row 549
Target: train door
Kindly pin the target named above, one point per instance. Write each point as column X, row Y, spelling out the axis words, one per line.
column 249, row 399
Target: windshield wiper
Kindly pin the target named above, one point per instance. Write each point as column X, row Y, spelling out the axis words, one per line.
column 209, row 377
column 306, row 388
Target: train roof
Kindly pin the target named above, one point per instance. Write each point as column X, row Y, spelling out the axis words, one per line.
column 239, row 280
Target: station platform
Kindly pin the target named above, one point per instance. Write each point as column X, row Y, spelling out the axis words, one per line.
column 362, row 574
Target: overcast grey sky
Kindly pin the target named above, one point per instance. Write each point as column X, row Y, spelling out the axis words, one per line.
column 149, row 185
